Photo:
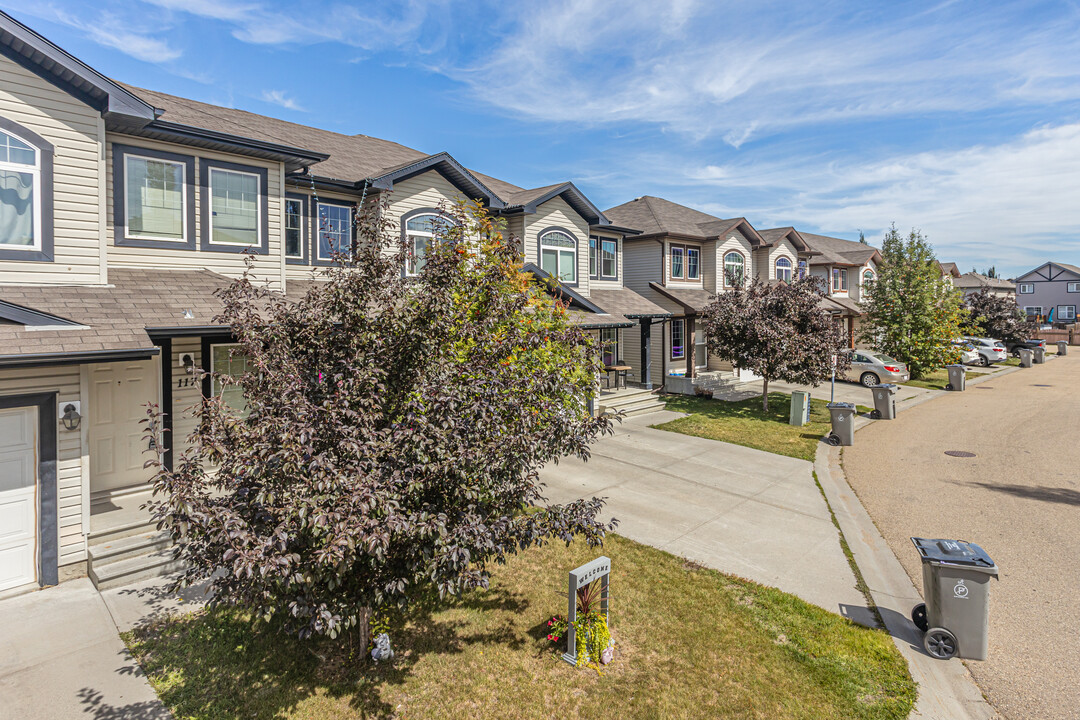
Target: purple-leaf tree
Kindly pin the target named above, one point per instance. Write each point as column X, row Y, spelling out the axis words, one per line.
column 997, row 317
column 776, row 330
column 388, row 436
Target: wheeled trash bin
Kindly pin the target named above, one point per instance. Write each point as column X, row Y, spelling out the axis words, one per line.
column 884, row 402
column 956, row 585
column 843, row 423
column 957, row 378
column 1038, row 355
column 1063, row 347
column 1025, row 357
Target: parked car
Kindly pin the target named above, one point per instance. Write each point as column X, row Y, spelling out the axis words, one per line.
column 990, row 350
column 968, row 354
column 874, row 368
column 1014, row 348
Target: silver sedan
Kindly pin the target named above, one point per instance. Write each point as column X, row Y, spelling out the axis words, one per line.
column 874, row 368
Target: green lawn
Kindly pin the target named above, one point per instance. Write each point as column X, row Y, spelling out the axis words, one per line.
column 744, row 423
column 691, row 643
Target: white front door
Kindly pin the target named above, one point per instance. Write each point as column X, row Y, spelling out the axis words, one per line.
column 18, row 496
column 118, row 396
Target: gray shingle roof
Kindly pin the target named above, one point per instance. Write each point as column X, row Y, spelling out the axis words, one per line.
column 978, row 280
column 653, row 215
column 692, row 299
column 836, row 251
column 625, row 301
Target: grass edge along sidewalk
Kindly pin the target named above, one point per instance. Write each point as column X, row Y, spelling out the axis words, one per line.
column 691, row 642
column 743, row 422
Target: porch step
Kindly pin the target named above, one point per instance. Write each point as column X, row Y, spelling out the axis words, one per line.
column 114, row 550
column 631, row 402
column 116, row 532
column 642, row 407
column 118, row 573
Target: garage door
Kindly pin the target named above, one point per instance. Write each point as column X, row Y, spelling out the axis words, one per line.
column 18, row 496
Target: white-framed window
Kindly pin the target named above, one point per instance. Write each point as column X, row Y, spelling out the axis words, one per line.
column 678, row 338
column 677, row 253
column 734, row 269
column 335, row 230
column 154, row 199
column 234, row 207
column 783, row 269
column 594, row 267
column 558, row 255
column 839, row 280
column 20, row 194
column 1033, row 311
column 294, row 228
column 1025, row 288
column 1073, row 287
column 420, row 233
column 609, row 258
column 867, row 276
column 609, row 346
column 685, row 262
column 693, row 263
column 1066, row 312
column 225, row 359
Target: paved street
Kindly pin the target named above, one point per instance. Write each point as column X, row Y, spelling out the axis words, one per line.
column 743, row 511
column 1019, row 498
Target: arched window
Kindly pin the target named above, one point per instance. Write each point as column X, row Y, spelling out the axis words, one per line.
column 734, row 269
column 420, row 232
column 558, row 255
column 783, row 269
column 867, row 276
column 20, row 194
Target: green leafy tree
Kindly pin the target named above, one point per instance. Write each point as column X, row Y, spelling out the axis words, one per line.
column 779, row 332
column 393, row 434
column 998, row 317
column 912, row 313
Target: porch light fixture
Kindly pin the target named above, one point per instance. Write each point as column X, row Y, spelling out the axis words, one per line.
column 71, row 417
column 187, row 361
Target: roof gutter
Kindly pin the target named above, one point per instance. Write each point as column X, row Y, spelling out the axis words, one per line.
column 77, row 358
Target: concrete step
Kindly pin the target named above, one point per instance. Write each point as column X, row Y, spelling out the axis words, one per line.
column 103, row 553
column 136, row 527
column 133, row 569
column 641, row 406
column 625, row 398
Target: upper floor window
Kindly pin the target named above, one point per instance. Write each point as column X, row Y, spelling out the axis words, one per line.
column 734, row 269
column 420, row 231
column 839, row 280
column 609, row 258
column 294, row 228
column 867, row 276
column 685, row 262
column 558, row 255
column 335, row 230
column 234, row 207
column 783, row 269
column 155, row 201
column 1025, row 288
column 20, row 194
column 1073, row 287
column 593, row 260
column 802, row 269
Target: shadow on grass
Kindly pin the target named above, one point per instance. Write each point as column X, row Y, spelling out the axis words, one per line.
column 748, row 409
column 220, row 663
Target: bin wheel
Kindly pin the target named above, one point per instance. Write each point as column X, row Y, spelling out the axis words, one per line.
column 875, row 414
column 940, row 643
column 918, row 616
column 833, row 439
column 948, row 386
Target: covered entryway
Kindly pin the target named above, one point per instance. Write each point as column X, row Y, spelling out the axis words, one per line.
column 18, row 496
column 117, row 403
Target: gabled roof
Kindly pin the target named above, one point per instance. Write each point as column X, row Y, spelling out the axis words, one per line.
column 949, row 269
column 776, row 235
column 1049, row 275
column 657, row 216
column 446, row 166
column 119, row 106
column 527, row 201
column 978, row 280
column 837, row 251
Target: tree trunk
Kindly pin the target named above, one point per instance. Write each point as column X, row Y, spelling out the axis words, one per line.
column 765, row 395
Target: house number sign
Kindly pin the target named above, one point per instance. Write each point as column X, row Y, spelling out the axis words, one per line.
column 598, row 569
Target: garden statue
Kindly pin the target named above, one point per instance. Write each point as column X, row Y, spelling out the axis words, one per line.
column 382, row 650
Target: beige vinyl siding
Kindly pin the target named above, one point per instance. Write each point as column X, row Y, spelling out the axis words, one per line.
column 607, row 284
column 694, row 284
column 855, row 289
column 186, row 393
column 766, row 259
column 70, row 451
column 643, row 263
column 231, row 264
column 515, row 228
column 738, row 242
column 74, row 129
column 557, row 213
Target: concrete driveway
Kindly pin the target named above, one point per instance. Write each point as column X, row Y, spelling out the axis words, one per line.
column 1019, row 498
column 735, row 509
column 61, row 657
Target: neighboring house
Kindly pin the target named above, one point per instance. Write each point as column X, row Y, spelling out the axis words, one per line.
column 1050, row 292
column 123, row 210
column 973, row 282
column 679, row 260
column 846, row 266
column 949, row 270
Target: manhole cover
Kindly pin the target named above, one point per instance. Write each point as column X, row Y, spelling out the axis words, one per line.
column 959, row 453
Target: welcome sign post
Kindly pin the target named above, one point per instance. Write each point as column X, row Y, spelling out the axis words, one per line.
column 580, row 577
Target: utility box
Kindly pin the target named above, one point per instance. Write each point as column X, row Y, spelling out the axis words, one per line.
column 800, row 408
column 957, row 378
column 884, row 402
column 956, row 585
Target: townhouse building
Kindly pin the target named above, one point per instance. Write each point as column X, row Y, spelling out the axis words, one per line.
column 123, row 210
column 1049, row 293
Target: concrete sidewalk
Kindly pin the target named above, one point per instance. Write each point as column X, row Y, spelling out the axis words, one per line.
column 732, row 508
column 61, row 657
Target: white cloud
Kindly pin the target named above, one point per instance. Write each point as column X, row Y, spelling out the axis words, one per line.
column 279, row 97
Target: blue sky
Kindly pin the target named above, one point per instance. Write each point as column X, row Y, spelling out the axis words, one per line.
column 959, row 118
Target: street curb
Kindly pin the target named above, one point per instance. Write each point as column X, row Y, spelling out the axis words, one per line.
column 946, row 689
